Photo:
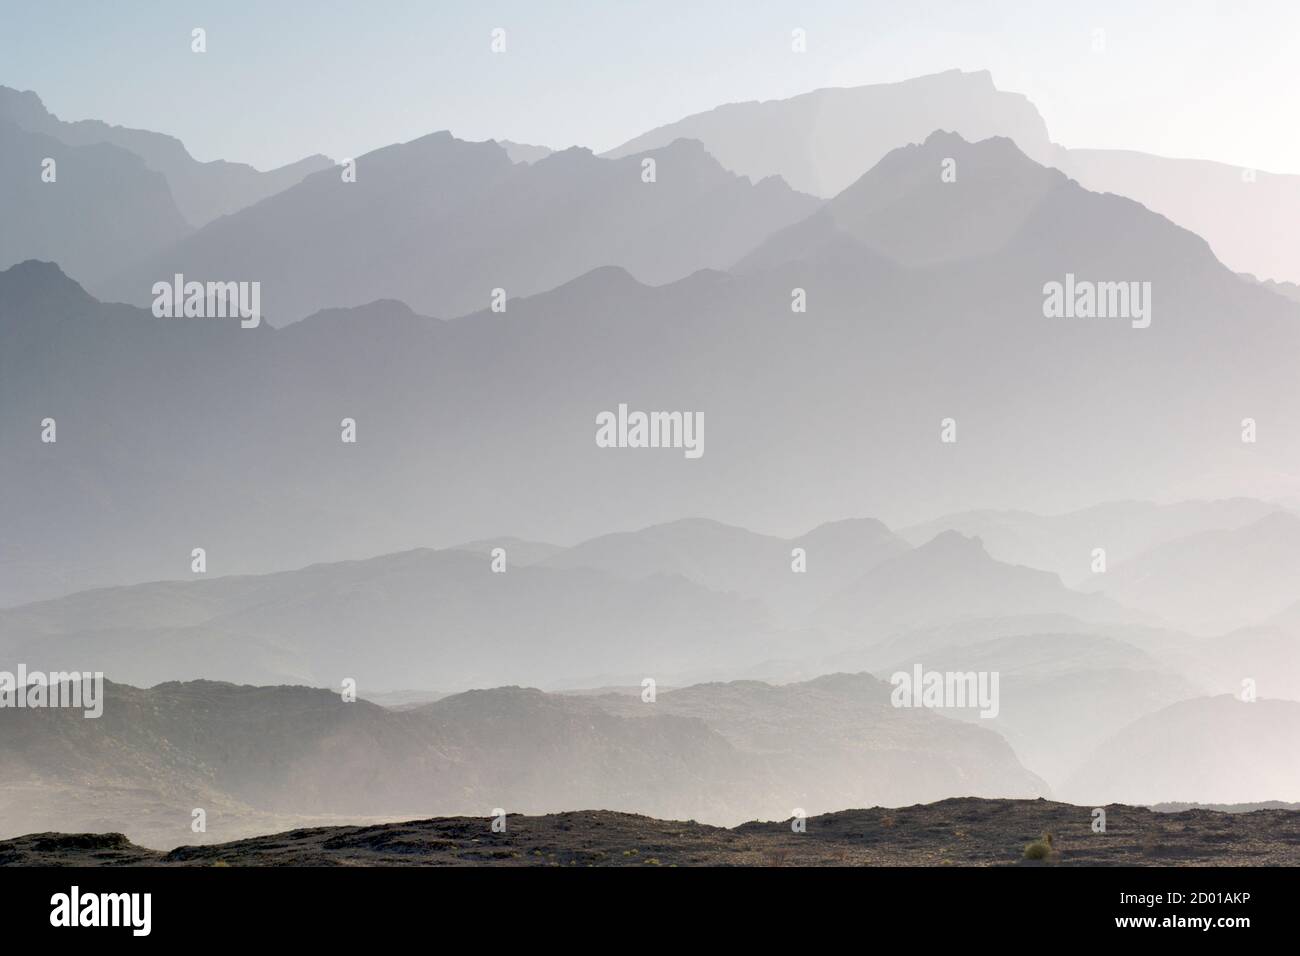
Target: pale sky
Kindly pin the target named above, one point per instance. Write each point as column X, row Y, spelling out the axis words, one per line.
column 287, row 78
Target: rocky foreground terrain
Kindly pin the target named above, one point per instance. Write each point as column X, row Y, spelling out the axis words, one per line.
column 961, row 832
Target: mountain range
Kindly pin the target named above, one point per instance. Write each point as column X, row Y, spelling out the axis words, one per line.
column 247, row 755
column 440, row 223
column 822, row 141
column 801, row 406
column 906, row 458
column 201, row 191
column 612, row 610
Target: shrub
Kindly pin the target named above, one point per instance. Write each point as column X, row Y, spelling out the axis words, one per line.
column 1040, row 849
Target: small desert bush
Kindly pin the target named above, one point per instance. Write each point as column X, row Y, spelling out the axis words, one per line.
column 1040, row 849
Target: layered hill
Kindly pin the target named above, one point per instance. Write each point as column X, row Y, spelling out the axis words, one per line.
column 953, row 578
column 1215, row 581
column 487, row 423
column 1210, row 750
column 246, row 753
column 1066, row 543
column 729, row 559
column 417, row 619
column 202, row 191
column 822, row 141
column 94, row 207
column 440, row 223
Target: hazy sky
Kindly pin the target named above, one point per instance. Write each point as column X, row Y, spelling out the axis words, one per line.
column 286, row 78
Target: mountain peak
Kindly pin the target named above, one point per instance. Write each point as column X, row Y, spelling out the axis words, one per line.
column 690, row 153
column 916, row 207
column 954, row 543
column 526, row 153
column 34, row 268
column 602, row 280
column 821, row 141
column 443, row 139
column 848, row 527
column 1275, row 523
column 943, row 144
column 906, row 206
column 567, row 155
column 1002, row 146
column 23, row 107
column 35, row 280
column 943, row 136
column 379, row 310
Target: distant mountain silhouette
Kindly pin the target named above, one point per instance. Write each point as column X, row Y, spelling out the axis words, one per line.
column 1215, row 581
column 873, row 301
column 1062, row 694
column 1267, row 655
column 1288, row 290
column 203, row 191
column 1215, row 749
column 822, row 141
column 1065, row 543
column 903, row 210
column 729, row 559
column 953, row 578
column 427, row 619
column 440, row 223
column 517, row 550
column 1251, row 218
column 181, row 433
column 720, row 752
column 104, row 210
column 524, row 152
